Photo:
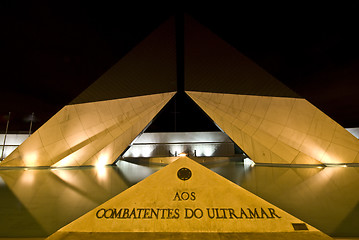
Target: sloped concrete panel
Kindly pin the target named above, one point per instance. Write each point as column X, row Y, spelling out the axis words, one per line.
column 213, row 65
column 148, row 68
column 186, row 200
column 280, row 130
column 88, row 134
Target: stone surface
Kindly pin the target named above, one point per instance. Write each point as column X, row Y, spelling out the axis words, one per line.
column 185, row 200
column 279, row 130
column 88, row 134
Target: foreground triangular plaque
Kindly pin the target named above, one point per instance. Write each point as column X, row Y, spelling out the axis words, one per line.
column 183, row 201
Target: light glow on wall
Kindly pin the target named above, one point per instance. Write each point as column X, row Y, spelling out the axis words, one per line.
column 182, row 154
column 102, row 160
column 30, row 159
column 176, row 149
column 200, row 144
column 65, row 161
column 205, row 150
column 166, row 150
column 140, row 151
column 208, row 150
column 100, row 166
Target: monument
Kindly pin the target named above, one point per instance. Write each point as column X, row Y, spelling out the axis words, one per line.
column 267, row 120
column 185, row 200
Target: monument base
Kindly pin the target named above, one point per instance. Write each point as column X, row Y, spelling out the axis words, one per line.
column 190, row 235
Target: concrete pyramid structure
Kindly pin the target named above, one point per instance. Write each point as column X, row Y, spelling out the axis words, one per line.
column 186, row 200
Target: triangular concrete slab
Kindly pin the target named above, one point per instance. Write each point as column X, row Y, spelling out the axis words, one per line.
column 212, row 65
column 148, row 68
column 279, row 130
column 89, row 133
column 100, row 123
column 186, row 200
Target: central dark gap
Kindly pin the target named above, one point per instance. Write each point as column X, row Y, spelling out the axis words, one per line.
column 181, row 114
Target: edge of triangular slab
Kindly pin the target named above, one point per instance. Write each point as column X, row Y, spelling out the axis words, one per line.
column 235, row 192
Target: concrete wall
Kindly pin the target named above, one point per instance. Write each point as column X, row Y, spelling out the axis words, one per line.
column 171, row 144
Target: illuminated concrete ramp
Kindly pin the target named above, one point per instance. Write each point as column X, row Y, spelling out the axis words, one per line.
column 270, row 122
column 185, row 200
column 279, row 130
column 88, row 134
column 105, row 118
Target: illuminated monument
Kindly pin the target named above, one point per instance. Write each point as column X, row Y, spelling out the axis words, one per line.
column 267, row 120
column 185, row 200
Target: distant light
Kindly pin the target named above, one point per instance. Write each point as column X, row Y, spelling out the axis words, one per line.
column 30, row 159
column 182, row 154
column 100, row 166
column 102, row 161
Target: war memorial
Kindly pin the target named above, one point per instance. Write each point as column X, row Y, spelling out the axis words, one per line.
column 276, row 129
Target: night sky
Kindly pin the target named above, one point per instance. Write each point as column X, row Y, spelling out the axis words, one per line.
column 51, row 51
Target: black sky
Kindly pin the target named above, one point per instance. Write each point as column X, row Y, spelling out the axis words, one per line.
column 51, row 51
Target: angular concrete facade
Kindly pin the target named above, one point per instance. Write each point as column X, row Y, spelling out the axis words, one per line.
column 89, row 133
column 99, row 124
column 279, row 130
column 269, row 121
